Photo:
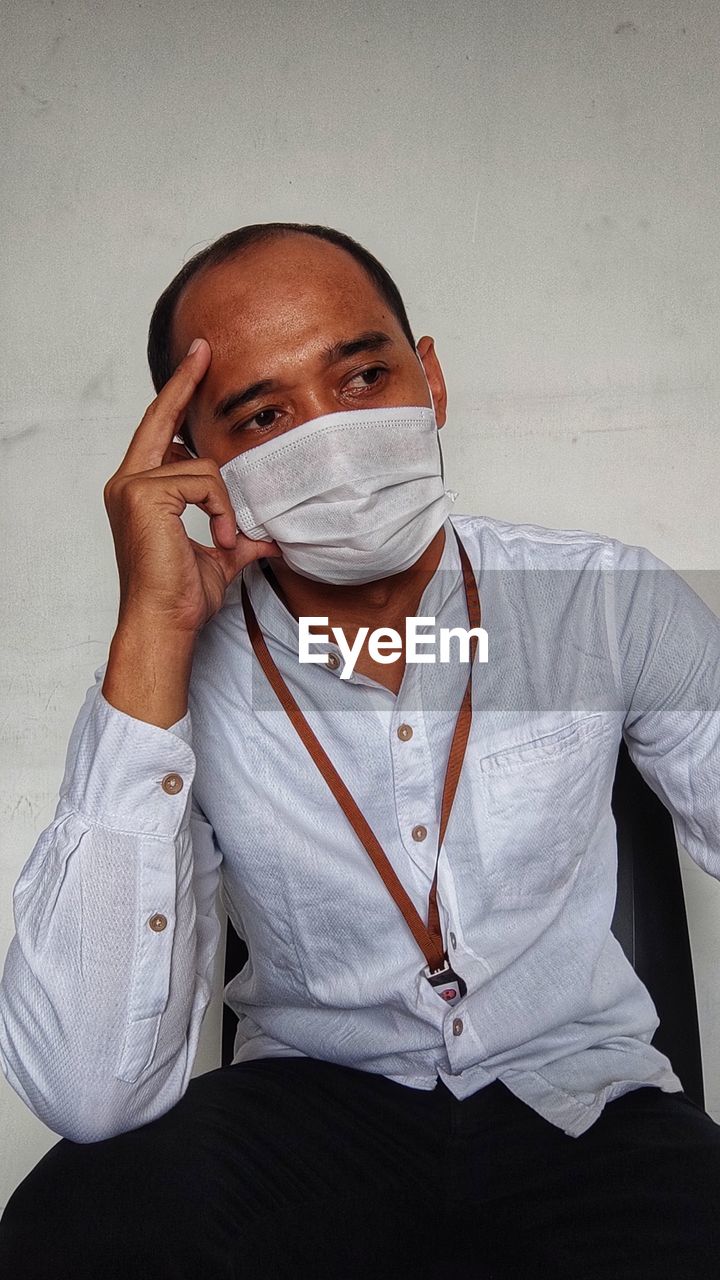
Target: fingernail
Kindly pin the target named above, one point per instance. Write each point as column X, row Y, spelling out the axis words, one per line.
column 194, row 345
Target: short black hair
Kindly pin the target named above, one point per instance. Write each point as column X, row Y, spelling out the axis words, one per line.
column 159, row 348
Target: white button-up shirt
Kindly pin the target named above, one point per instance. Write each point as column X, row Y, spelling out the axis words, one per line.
column 109, row 974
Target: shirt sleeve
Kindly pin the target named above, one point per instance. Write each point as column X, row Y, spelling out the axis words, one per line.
column 109, row 973
column 668, row 653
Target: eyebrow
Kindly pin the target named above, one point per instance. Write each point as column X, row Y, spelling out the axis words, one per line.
column 370, row 340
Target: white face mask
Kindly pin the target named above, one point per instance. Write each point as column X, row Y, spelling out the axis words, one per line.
column 348, row 497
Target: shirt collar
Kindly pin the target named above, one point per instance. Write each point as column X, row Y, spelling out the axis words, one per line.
column 278, row 623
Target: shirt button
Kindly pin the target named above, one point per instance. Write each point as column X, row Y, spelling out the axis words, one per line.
column 453, row 940
column 419, row 832
column 405, row 732
column 158, row 922
column 333, row 661
column 457, row 1026
column 172, row 783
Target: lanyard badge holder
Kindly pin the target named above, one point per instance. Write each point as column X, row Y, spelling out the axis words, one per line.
column 446, row 982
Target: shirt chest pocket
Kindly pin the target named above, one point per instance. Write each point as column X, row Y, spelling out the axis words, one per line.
column 535, row 808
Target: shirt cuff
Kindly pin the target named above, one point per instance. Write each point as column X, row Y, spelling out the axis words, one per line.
column 130, row 775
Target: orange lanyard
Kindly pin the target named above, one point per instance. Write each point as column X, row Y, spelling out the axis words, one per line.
column 439, row 972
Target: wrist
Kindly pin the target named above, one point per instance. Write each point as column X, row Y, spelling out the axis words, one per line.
column 148, row 673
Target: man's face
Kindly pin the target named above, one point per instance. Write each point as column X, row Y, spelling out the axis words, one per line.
column 271, row 317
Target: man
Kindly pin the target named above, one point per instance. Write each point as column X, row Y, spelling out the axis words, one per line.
column 443, row 1058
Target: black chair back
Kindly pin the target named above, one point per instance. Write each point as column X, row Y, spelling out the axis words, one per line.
column 650, row 921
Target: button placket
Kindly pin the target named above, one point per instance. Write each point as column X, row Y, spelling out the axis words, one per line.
column 412, row 766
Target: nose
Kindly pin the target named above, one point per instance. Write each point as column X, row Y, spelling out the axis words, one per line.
column 311, row 404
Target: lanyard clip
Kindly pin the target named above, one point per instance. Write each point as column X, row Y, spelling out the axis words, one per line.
column 446, row 982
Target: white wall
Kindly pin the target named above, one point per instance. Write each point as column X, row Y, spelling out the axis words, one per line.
column 540, row 176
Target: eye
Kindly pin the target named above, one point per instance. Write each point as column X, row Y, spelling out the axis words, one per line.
column 374, row 373
column 259, row 420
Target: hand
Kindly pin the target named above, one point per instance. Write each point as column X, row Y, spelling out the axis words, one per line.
column 168, row 582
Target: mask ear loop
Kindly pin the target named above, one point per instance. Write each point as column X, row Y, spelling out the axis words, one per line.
column 442, row 460
column 178, row 439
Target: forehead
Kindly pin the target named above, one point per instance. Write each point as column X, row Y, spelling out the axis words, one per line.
column 279, row 295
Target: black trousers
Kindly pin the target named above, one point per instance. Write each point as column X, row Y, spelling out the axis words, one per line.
column 291, row 1167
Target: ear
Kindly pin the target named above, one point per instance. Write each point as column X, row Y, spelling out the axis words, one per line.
column 434, row 374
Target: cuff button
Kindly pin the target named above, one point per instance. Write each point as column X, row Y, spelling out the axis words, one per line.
column 158, row 922
column 172, row 783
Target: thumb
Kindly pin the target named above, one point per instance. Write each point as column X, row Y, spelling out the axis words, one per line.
column 234, row 559
column 258, row 550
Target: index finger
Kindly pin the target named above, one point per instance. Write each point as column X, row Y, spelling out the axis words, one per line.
column 165, row 413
